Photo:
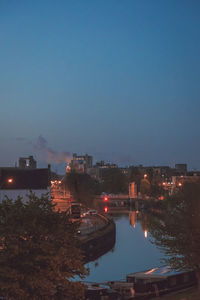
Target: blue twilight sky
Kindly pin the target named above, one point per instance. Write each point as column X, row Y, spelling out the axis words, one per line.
column 115, row 79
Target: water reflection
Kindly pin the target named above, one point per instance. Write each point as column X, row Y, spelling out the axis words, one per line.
column 144, row 219
column 133, row 218
column 132, row 252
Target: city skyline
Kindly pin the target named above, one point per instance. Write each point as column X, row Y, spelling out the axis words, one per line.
column 60, row 161
column 117, row 80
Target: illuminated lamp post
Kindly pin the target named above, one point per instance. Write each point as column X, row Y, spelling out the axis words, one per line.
column 106, row 198
column 9, row 181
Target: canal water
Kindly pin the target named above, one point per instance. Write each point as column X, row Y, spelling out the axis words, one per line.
column 133, row 251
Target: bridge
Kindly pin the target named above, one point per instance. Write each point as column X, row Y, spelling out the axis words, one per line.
column 112, row 200
column 113, row 197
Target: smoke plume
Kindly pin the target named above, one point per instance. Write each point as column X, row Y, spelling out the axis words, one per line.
column 48, row 154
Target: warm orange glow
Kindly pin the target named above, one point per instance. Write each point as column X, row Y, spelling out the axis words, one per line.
column 179, row 184
column 145, row 233
column 10, row 180
column 151, row 271
column 145, row 175
column 164, row 183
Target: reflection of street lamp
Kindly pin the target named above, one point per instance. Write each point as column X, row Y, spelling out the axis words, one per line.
column 106, row 209
column 145, row 233
column 145, row 175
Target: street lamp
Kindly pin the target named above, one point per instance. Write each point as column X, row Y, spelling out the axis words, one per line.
column 105, row 198
column 9, row 181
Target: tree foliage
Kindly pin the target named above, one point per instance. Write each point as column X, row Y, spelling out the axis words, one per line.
column 135, row 176
column 176, row 231
column 145, row 187
column 156, row 190
column 81, row 186
column 39, row 253
column 114, row 181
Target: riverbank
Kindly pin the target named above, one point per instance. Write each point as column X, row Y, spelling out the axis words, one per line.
column 187, row 294
column 99, row 242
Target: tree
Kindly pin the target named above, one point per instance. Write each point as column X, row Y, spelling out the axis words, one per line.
column 135, row 175
column 114, row 181
column 156, row 190
column 176, row 232
column 81, row 186
column 145, row 187
column 39, row 253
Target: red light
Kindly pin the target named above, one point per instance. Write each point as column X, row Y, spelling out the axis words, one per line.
column 106, row 209
column 105, row 198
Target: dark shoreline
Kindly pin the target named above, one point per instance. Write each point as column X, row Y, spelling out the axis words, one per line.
column 99, row 242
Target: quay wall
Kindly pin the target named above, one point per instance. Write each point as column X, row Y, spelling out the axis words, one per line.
column 99, row 242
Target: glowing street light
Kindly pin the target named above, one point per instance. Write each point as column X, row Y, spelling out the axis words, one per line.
column 10, row 180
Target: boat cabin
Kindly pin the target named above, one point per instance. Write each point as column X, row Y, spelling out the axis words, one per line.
column 157, row 281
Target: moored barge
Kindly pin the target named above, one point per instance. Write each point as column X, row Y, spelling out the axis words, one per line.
column 158, row 281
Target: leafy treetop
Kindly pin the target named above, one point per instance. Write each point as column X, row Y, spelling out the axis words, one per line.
column 39, row 253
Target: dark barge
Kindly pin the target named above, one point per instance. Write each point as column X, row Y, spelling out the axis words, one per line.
column 143, row 285
column 158, row 281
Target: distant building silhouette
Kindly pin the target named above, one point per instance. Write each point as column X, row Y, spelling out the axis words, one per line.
column 20, row 181
column 181, row 167
column 27, row 163
column 80, row 163
column 133, row 190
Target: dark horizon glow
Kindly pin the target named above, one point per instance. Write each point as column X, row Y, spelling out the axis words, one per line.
column 115, row 79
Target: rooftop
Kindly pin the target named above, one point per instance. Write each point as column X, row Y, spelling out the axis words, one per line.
column 16, row 178
column 160, row 272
